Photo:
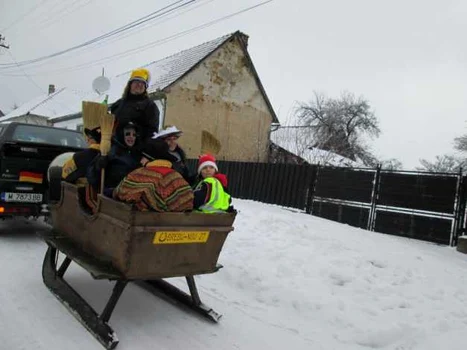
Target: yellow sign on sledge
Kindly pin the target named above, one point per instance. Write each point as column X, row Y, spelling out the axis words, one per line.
column 180, row 237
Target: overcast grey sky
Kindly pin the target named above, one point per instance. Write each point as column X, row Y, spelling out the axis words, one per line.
column 408, row 58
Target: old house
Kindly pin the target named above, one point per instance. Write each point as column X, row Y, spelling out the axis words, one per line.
column 213, row 86
column 44, row 108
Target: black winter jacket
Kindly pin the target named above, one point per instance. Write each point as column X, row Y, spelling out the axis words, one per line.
column 140, row 110
column 118, row 163
column 82, row 160
column 179, row 164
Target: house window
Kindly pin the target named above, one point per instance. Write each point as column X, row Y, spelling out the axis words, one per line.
column 79, row 127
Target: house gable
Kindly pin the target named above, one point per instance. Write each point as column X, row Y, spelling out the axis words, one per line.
column 229, row 65
column 221, row 95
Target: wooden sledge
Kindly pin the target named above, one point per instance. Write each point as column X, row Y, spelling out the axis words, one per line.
column 124, row 245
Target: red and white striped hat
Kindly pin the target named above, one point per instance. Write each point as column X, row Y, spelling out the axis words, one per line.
column 205, row 160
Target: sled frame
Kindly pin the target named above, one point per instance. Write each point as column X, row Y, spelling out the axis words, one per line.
column 98, row 324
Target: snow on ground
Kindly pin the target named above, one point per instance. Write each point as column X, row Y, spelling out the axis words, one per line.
column 289, row 281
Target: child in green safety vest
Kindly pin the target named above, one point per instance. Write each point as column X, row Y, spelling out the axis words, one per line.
column 210, row 194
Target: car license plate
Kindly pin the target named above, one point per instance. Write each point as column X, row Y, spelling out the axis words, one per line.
column 180, row 237
column 22, row 197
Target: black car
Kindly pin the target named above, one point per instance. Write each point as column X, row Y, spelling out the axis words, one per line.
column 26, row 150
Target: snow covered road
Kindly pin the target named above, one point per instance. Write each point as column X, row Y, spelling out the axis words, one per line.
column 289, row 281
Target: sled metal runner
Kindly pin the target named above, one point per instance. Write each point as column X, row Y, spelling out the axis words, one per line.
column 98, row 324
column 160, row 287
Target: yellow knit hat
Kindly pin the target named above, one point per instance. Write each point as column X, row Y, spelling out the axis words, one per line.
column 141, row 74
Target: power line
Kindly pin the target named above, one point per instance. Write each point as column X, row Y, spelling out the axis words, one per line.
column 118, row 36
column 151, row 44
column 57, row 16
column 188, row 31
column 114, row 32
column 35, row 84
column 25, row 74
column 126, row 35
column 128, row 26
column 23, row 16
column 44, row 11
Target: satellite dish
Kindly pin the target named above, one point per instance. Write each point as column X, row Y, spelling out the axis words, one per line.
column 101, row 84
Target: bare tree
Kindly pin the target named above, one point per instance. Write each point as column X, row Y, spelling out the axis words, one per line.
column 339, row 125
column 297, row 139
column 460, row 143
column 391, row 164
column 444, row 163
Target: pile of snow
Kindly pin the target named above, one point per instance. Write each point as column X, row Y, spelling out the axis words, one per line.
column 290, row 281
column 297, row 141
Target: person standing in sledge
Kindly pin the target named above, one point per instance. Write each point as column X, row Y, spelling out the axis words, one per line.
column 135, row 106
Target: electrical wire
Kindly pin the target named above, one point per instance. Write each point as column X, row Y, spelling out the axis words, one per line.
column 132, row 33
column 64, row 12
column 23, row 16
column 89, row 42
column 112, row 40
column 147, row 46
column 36, row 85
column 24, row 72
column 126, row 27
column 45, row 13
column 121, row 36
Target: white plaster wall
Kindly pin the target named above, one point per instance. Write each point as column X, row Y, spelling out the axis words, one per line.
column 226, row 75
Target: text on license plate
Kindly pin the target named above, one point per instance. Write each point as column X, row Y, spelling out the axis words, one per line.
column 22, row 197
column 179, row 237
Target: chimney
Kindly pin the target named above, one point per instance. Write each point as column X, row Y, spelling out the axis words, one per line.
column 51, row 89
column 244, row 38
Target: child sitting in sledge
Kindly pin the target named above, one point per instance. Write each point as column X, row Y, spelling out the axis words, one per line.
column 210, row 193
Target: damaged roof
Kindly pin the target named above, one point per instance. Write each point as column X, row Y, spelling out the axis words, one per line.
column 169, row 70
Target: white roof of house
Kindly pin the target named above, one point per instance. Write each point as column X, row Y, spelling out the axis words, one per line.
column 62, row 102
column 164, row 72
column 298, row 142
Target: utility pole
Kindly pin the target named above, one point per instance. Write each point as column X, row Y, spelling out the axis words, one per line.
column 2, row 44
